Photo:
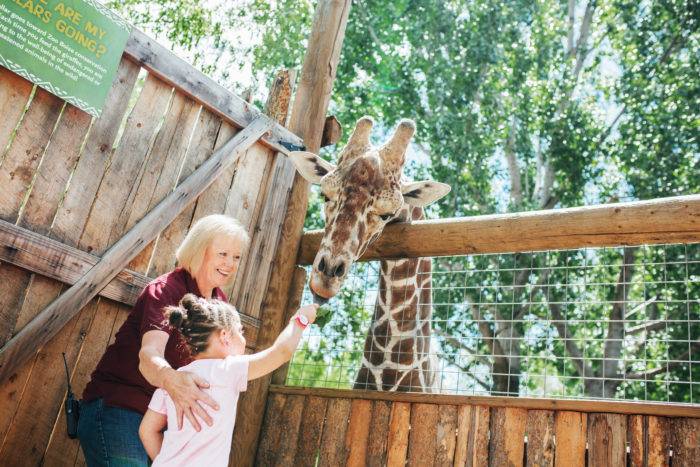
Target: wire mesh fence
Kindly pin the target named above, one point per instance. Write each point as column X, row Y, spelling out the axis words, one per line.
column 608, row 323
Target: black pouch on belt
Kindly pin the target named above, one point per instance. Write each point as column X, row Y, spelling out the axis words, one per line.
column 72, row 407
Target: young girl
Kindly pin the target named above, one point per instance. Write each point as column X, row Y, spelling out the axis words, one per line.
column 214, row 334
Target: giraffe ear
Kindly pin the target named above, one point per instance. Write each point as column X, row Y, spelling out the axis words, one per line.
column 310, row 166
column 423, row 193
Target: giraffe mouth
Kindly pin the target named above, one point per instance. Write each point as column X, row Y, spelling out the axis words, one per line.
column 318, row 300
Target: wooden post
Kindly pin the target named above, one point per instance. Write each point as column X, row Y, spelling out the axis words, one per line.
column 307, row 120
column 42, row 328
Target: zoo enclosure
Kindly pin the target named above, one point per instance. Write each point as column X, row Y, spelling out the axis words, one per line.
column 374, row 428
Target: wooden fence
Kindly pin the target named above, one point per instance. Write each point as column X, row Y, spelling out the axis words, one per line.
column 72, row 186
column 308, row 427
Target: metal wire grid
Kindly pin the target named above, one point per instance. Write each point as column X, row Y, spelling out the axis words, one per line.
column 605, row 323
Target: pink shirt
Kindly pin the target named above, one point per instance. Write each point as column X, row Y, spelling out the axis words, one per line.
column 211, row 446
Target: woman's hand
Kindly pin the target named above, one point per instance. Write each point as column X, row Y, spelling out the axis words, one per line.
column 184, row 388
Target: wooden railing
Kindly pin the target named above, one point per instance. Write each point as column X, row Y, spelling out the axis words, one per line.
column 305, row 427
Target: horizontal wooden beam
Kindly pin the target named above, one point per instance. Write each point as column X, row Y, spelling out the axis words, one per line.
column 51, row 258
column 167, row 66
column 665, row 220
column 51, row 319
column 577, row 405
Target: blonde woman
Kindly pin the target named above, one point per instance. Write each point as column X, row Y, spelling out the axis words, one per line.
column 147, row 351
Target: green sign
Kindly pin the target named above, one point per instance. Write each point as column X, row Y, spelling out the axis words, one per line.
column 71, row 48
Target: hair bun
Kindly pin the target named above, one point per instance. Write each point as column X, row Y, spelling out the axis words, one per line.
column 176, row 316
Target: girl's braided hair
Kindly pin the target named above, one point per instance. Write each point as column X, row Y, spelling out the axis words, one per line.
column 197, row 319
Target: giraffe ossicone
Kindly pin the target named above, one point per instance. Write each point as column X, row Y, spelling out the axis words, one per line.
column 364, row 192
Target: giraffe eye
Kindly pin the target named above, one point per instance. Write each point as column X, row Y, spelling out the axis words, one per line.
column 385, row 217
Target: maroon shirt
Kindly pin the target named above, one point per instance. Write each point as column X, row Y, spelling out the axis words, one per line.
column 117, row 379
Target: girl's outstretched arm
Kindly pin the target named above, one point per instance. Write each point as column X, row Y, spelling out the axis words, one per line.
column 151, row 432
column 262, row 363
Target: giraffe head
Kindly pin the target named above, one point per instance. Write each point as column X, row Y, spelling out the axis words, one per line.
column 362, row 194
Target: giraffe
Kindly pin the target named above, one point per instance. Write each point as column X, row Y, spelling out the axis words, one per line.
column 362, row 194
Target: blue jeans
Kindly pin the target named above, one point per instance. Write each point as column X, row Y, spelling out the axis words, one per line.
column 109, row 435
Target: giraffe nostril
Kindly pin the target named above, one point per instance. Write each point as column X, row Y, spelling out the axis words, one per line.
column 322, row 265
column 339, row 270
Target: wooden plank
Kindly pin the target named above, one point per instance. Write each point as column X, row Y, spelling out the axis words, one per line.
column 649, row 440
column 312, row 423
column 397, row 441
column 18, row 349
column 685, row 439
column 52, row 259
column 333, row 451
column 17, row 171
column 664, row 220
column 119, row 183
column 213, row 199
column 289, row 430
column 358, row 432
column 25, row 152
column 195, row 84
column 271, row 430
column 570, row 429
column 162, row 168
column 55, row 170
column 446, row 435
column 507, row 436
column 15, row 91
column 607, row 437
column 540, row 438
column 98, row 148
column 200, row 149
column 308, row 114
column 472, row 444
column 378, row 433
column 578, row 405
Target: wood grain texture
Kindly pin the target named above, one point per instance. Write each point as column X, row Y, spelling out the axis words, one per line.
column 664, row 220
column 540, row 438
column 312, row 425
column 422, row 441
column 607, row 437
column 358, row 432
column 472, row 443
column 270, row 430
column 333, row 451
column 578, row 405
column 15, row 91
column 685, row 441
column 378, row 434
column 446, row 435
column 570, row 430
column 507, row 436
column 397, row 441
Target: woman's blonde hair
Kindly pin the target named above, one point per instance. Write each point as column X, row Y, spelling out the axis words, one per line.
column 190, row 254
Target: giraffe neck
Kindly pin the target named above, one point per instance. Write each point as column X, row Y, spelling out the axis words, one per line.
column 397, row 348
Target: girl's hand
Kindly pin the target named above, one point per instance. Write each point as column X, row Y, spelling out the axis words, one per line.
column 309, row 311
column 184, row 389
